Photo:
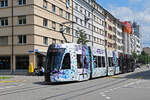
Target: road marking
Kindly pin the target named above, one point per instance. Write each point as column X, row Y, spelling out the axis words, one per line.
column 108, row 98
column 104, row 95
column 11, row 81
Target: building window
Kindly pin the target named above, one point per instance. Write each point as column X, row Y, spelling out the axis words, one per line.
column 68, row 30
column 45, row 22
column 44, row 4
column 81, row 9
column 21, row 2
column 53, row 8
column 76, row 18
column 3, row 21
column 5, row 62
column 89, row 14
column 89, row 25
column 61, row 27
column 22, row 62
column 67, row 3
column 45, row 40
column 53, row 25
column 67, row 15
column 76, row 33
column 4, row 40
column 61, row 41
column 3, row 3
column 76, row 6
column 54, row 41
column 81, row 22
column 22, row 20
column 22, row 39
column 60, row 12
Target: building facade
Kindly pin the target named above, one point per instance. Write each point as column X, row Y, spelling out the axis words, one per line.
column 27, row 27
column 89, row 17
column 137, row 47
column 119, row 37
column 110, row 32
column 82, row 16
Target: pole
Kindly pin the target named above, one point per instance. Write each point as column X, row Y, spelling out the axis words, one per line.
column 72, row 20
column 92, row 21
column 12, row 53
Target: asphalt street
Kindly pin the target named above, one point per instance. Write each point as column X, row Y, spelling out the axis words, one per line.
column 130, row 86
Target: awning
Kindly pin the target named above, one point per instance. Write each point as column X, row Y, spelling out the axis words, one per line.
column 42, row 53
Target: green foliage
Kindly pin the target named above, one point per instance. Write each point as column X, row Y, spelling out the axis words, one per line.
column 82, row 37
column 143, row 58
column 134, row 55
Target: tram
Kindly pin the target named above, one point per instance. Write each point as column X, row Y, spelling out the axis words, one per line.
column 75, row 62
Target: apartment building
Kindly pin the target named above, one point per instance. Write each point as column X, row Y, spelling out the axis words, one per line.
column 110, row 31
column 88, row 16
column 98, row 26
column 82, row 16
column 136, row 38
column 119, row 37
column 27, row 27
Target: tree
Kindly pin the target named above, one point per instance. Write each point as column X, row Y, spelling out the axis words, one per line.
column 82, row 37
column 134, row 55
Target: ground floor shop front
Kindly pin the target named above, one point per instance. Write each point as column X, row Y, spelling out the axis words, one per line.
column 20, row 63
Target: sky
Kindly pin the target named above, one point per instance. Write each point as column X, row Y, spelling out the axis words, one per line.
column 131, row 10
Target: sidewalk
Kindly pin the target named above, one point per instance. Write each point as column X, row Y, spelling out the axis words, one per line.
column 21, row 78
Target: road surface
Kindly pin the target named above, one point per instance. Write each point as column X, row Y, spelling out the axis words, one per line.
column 130, row 86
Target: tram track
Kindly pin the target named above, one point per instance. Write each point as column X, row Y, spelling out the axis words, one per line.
column 32, row 88
column 106, row 85
column 81, row 91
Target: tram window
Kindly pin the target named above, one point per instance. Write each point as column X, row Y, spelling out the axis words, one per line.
column 110, row 61
column 79, row 63
column 95, row 62
column 66, row 62
column 103, row 61
column 99, row 61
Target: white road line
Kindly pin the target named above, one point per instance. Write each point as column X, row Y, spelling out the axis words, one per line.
column 1, row 88
column 104, row 95
column 108, row 98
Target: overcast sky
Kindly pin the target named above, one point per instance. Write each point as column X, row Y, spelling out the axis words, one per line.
column 131, row 10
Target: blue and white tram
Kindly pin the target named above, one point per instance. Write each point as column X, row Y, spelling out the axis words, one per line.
column 74, row 62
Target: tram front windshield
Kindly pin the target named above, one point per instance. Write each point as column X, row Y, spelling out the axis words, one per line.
column 54, row 59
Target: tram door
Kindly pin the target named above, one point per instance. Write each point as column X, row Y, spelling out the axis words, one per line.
column 83, row 64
